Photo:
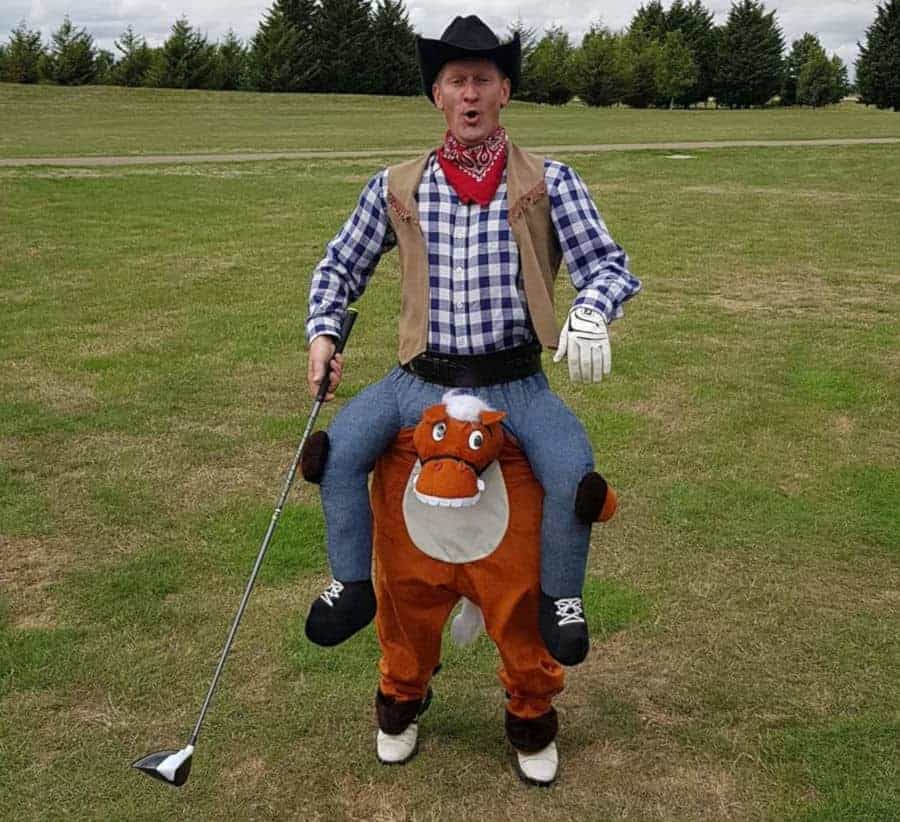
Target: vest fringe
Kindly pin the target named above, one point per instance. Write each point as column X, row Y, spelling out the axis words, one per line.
column 399, row 209
column 527, row 200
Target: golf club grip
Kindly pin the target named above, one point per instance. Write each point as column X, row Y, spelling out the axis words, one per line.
column 346, row 328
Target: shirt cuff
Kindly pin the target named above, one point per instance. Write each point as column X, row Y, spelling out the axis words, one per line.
column 317, row 326
column 598, row 302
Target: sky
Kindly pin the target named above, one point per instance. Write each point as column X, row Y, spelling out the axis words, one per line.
column 839, row 24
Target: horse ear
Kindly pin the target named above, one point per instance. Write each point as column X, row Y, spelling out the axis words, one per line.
column 491, row 417
column 435, row 413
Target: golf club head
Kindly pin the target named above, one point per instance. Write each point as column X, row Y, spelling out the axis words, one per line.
column 171, row 767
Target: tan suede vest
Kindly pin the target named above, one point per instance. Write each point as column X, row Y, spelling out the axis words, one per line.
column 529, row 221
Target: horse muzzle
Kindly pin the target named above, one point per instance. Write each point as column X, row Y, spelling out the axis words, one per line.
column 448, row 482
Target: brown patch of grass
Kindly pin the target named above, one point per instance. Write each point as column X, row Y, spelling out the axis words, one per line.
column 97, row 708
column 33, row 563
column 843, row 425
column 36, row 383
column 243, row 776
column 256, row 471
column 153, row 329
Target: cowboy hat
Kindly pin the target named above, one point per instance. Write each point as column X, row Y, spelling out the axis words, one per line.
column 467, row 38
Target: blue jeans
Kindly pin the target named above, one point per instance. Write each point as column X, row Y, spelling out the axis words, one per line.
column 551, row 436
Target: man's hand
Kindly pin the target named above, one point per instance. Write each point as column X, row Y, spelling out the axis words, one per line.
column 321, row 353
column 585, row 340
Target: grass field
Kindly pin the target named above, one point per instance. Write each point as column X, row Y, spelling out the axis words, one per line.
column 51, row 120
column 744, row 603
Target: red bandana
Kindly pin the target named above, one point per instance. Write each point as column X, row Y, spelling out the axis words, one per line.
column 474, row 171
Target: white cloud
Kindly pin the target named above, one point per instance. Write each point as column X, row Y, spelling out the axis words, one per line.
column 839, row 23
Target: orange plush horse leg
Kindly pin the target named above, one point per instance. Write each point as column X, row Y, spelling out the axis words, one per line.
column 506, row 585
column 415, row 592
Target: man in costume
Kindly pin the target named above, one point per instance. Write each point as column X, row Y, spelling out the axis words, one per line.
column 481, row 227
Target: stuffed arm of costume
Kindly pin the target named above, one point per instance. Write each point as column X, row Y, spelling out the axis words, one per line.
column 341, row 277
column 599, row 271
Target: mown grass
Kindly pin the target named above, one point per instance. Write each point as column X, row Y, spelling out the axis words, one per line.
column 49, row 120
column 743, row 602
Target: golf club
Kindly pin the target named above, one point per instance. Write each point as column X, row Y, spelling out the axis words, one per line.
column 174, row 767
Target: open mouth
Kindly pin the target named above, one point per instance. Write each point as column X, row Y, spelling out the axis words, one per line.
column 447, row 502
column 471, row 116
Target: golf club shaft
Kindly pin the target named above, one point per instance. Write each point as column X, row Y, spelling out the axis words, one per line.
column 346, row 327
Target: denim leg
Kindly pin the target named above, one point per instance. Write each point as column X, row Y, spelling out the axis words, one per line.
column 360, row 432
column 560, row 454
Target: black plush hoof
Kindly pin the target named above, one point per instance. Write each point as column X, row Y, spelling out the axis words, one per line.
column 564, row 628
column 340, row 611
column 314, row 457
column 595, row 501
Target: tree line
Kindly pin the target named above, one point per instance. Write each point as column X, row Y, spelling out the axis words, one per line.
column 665, row 58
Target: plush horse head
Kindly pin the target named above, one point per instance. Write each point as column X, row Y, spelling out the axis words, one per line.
column 455, row 442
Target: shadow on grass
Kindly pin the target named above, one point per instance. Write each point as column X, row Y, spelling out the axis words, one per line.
column 36, row 658
column 133, row 593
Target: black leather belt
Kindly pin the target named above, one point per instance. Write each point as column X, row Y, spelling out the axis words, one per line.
column 474, row 370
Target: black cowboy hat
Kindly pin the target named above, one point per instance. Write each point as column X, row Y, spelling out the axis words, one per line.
column 467, row 38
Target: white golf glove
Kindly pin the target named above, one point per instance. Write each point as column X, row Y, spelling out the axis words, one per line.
column 585, row 340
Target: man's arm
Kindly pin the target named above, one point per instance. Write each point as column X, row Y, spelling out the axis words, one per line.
column 341, row 277
column 599, row 271
column 597, row 265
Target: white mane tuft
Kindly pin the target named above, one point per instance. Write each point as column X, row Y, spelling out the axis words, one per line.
column 464, row 406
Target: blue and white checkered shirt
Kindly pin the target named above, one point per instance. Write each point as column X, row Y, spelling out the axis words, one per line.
column 476, row 295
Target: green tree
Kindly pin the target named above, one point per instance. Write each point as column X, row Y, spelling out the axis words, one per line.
column 394, row 68
column 842, row 84
column 23, row 55
column 187, row 58
column 802, row 50
column 816, row 81
column 751, row 56
column 600, row 68
column 642, row 57
column 2, row 62
column 136, row 57
column 695, row 22
column 274, row 62
column 527, row 43
column 551, row 69
column 230, row 63
column 649, row 22
column 72, row 55
column 342, row 36
column 676, row 71
column 104, row 62
column 878, row 64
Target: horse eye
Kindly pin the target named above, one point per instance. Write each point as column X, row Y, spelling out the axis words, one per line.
column 439, row 431
column 476, row 440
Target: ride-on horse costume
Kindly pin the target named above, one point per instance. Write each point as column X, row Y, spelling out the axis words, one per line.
column 457, row 515
column 482, row 228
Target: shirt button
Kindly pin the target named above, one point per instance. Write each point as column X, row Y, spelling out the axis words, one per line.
column 460, row 305
column 459, row 272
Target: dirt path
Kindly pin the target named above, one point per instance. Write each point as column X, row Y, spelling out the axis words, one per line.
column 237, row 157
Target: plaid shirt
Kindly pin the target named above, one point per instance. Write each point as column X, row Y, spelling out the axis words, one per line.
column 476, row 295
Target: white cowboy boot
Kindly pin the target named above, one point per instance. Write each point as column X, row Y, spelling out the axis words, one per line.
column 538, row 768
column 396, row 749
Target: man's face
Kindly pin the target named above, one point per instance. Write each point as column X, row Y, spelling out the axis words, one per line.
column 471, row 94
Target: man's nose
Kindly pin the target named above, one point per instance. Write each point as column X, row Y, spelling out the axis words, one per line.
column 470, row 91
